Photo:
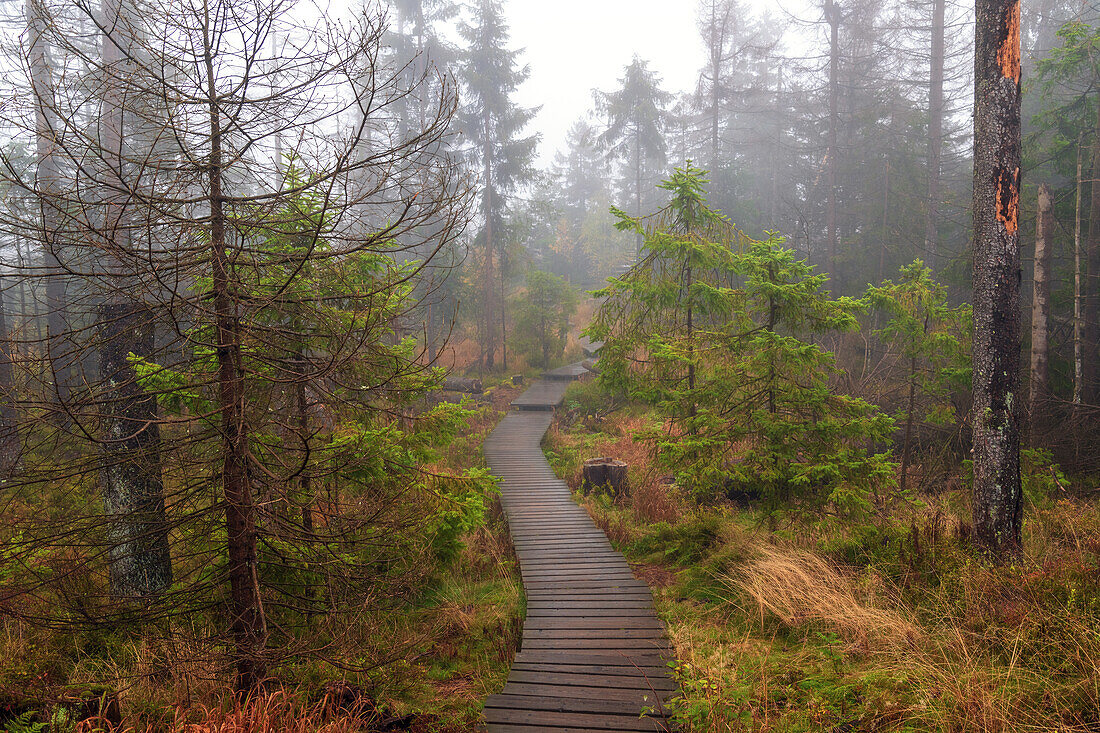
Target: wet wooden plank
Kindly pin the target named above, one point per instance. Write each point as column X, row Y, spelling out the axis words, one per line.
column 594, row 652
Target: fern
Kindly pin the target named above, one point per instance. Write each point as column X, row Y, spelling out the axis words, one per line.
column 25, row 723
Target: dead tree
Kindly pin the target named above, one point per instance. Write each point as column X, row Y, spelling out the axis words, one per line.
column 1040, row 304
column 996, row 352
column 935, row 130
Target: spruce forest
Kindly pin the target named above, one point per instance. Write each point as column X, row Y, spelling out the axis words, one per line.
column 343, row 389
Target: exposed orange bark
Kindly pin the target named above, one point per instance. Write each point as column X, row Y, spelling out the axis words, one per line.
column 1008, row 55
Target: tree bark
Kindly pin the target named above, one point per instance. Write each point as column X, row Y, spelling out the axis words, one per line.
column 935, row 133
column 248, row 625
column 1040, row 303
column 133, row 490
column 996, row 352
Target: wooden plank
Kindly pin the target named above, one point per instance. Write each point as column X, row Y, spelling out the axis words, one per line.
column 575, row 703
column 634, row 695
column 594, row 623
column 660, row 672
column 571, row 721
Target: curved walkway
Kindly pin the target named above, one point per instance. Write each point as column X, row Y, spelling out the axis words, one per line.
column 594, row 652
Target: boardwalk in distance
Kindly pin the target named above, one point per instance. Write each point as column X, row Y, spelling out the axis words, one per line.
column 594, row 652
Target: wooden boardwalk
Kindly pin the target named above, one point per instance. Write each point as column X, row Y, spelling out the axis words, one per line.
column 594, row 652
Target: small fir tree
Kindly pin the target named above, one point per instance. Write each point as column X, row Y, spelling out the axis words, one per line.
column 714, row 330
column 933, row 338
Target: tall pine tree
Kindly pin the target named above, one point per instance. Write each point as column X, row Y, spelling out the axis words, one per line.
column 493, row 125
column 635, row 119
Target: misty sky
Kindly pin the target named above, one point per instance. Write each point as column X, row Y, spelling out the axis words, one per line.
column 573, row 46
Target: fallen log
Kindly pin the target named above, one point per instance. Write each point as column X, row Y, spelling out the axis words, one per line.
column 462, row 384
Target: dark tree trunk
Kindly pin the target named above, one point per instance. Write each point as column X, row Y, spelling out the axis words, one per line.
column 9, row 426
column 996, row 352
column 1040, row 303
column 248, row 625
column 832, row 17
column 133, row 488
column 885, row 221
column 692, row 408
column 305, row 485
column 935, row 133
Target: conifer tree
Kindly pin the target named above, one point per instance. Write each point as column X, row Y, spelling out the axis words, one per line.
column 714, row 329
column 493, row 125
column 635, row 120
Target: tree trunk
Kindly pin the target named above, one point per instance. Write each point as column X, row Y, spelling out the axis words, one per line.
column 1040, row 303
column 489, row 347
column 716, row 44
column 690, row 354
column 935, row 133
column 638, row 189
column 996, row 351
column 1078, row 304
column 246, row 606
column 9, row 426
column 58, row 352
column 774, row 203
column 133, row 488
column 885, row 221
column 1091, row 349
column 503, row 321
column 910, row 410
column 832, row 16
column 305, row 485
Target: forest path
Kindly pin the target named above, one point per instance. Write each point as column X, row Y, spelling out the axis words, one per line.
column 594, row 652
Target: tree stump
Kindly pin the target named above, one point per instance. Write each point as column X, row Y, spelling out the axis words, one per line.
column 605, row 472
column 517, row 380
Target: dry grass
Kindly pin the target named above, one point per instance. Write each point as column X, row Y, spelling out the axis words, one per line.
column 655, row 501
column 800, row 587
column 343, row 709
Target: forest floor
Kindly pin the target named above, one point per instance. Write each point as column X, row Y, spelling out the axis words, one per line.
column 449, row 647
column 800, row 621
